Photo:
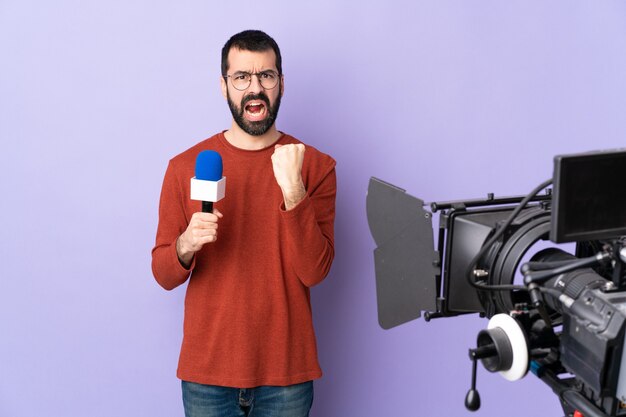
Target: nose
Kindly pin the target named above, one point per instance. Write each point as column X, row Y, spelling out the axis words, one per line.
column 255, row 84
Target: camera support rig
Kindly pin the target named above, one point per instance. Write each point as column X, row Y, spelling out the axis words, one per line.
column 566, row 323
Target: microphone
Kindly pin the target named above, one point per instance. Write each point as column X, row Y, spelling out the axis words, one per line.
column 208, row 185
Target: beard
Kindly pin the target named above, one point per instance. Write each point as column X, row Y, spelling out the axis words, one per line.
column 256, row 128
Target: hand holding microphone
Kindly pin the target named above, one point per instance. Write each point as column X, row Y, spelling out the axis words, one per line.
column 202, row 229
column 287, row 164
column 208, row 186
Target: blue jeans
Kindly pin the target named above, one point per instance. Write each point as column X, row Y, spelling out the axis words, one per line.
column 266, row 401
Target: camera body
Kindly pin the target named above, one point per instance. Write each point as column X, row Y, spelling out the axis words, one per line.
column 566, row 323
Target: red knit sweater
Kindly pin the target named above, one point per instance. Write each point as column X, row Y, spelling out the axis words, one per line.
column 247, row 308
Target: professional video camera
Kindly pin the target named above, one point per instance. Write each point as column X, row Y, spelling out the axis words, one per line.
column 566, row 322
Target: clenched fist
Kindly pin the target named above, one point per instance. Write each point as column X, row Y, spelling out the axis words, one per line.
column 202, row 229
column 287, row 165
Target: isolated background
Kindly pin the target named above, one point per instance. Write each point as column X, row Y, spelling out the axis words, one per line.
column 447, row 99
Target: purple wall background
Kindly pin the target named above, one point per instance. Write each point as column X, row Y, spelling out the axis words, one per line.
column 448, row 99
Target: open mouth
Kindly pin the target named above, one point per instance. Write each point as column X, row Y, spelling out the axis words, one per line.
column 255, row 110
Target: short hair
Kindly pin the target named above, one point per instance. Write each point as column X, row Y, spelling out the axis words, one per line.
column 251, row 40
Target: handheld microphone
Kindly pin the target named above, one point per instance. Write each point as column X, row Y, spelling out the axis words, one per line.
column 208, row 185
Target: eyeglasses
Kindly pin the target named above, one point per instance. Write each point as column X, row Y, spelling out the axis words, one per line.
column 242, row 80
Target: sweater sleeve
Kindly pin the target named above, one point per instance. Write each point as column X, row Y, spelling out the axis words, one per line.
column 166, row 268
column 310, row 230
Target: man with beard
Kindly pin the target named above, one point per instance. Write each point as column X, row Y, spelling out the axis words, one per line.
column 248, row 345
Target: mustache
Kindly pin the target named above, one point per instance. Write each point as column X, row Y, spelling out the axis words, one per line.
column 260, row 96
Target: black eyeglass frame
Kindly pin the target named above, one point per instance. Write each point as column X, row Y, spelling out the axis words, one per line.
column 250, row 74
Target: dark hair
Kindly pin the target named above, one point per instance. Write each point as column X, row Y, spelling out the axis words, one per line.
column 251, row 40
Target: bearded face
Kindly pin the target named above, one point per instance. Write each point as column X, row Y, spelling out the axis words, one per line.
column 254, row 114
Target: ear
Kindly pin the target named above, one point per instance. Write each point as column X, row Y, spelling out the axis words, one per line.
column 282, row 85
column 224, row 86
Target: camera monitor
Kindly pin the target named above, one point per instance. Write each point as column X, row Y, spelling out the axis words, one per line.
column 589, row 196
